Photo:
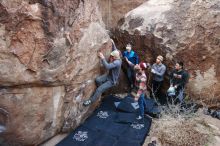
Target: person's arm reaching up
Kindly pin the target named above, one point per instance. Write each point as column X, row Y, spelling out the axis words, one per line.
column 113, row 45
column 105, row 63
column 111, row 65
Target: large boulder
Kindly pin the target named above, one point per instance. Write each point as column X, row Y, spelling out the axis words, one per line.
column 113, row 10
column 188, row 31
column 48, row 61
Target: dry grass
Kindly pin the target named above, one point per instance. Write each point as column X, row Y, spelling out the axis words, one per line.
column 179, row 127
column 179, row 132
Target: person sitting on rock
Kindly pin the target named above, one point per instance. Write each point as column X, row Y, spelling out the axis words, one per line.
column 178, row 80
column 109, row 80
column 133, row 58
column 158, row 70
column 140, row 85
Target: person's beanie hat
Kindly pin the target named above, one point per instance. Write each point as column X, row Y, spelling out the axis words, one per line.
column 115, row 54
column 160, row 57
column 143, row 65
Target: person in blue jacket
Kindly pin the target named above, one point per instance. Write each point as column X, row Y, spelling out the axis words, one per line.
column 133, row 58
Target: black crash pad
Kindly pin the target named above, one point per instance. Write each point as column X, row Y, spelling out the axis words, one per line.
column 104, row 128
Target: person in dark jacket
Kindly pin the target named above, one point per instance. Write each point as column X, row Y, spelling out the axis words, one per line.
column 178, row 80
column 109, row 80
column 133, row 58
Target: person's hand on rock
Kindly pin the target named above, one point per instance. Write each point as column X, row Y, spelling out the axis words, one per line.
column 101, row 55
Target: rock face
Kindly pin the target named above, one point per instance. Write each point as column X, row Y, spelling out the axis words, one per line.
column 48, row 61
column 113, row 10
column 188, row 31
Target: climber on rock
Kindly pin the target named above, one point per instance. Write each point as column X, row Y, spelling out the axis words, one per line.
column 158, row 70
column 178, row 80
column 140, row 85
column 109, row 80
column 133, row 58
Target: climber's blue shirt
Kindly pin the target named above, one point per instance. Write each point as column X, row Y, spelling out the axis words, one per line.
column 132, row 56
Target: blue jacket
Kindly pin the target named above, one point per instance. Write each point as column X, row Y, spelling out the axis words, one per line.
column 132, row 56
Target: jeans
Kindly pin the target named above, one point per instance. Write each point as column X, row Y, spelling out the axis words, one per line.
column 103, row 84
column 142, row 104
column 156, row 89
column 180, row 94
column 130, row 75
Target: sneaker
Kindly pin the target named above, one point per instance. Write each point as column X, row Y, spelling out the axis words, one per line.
column 87, row 102
column 139, row 117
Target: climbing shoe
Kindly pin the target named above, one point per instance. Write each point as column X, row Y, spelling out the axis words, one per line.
column 139, row 117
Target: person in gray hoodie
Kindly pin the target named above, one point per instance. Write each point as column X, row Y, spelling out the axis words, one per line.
column 109, row 80
column 158, row 70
